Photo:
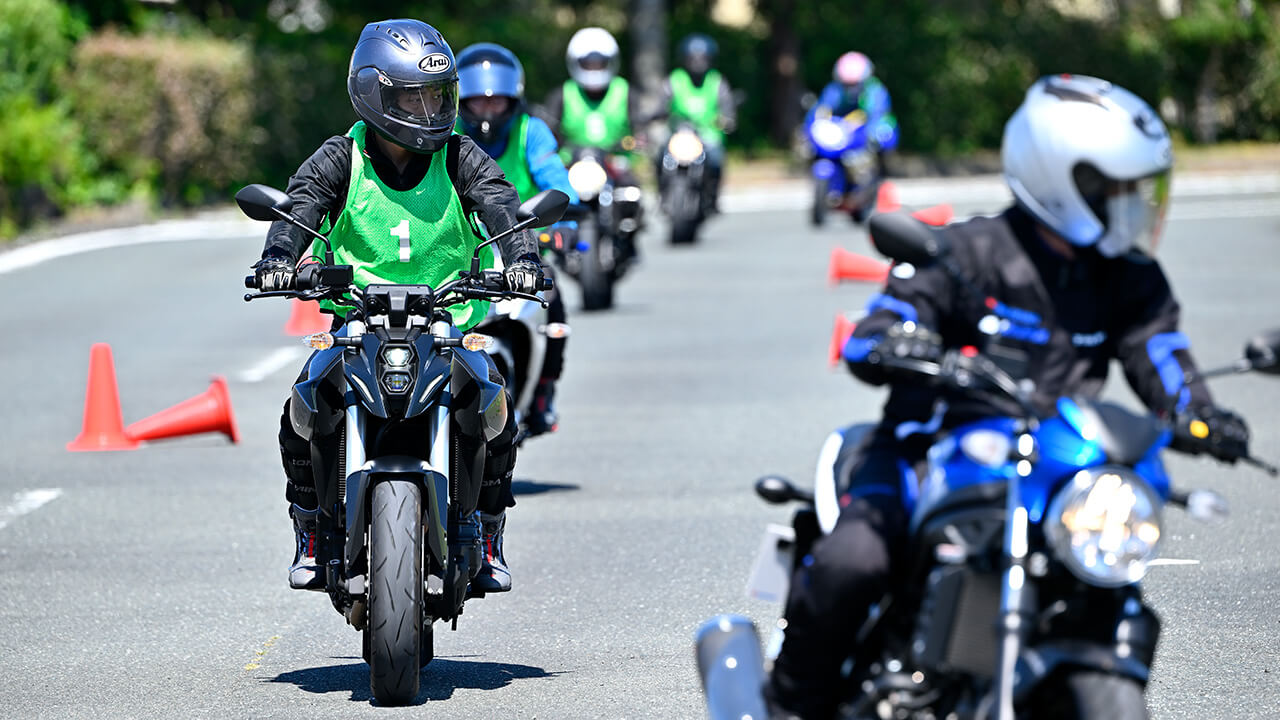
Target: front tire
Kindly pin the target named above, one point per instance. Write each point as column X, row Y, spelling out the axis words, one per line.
column 818, row 215
column 394, row 630
column 1084, row 695
column 597, row 282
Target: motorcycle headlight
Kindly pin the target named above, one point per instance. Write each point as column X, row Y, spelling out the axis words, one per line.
column 1105, row 526
column 685, row 147
column 396, row 356
column 587, row 178
column 829, row 135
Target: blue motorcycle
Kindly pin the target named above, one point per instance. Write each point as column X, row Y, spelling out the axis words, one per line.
column 1029, row 538
column 845, row 163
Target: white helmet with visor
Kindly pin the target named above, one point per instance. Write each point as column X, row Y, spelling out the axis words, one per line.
column 592, row 57
column 1091, row 161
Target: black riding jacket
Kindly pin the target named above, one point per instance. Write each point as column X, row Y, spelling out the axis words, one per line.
column 1057, row 322
column 319, row 189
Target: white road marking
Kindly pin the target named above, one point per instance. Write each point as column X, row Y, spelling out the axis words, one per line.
column 1172, row 561
column 25, row 502
column 271, row 364
column 796, row 194
column 166, row 231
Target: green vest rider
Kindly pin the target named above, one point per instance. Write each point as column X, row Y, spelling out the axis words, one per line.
column 599, row 123
column 699, row 105
column 417, row 236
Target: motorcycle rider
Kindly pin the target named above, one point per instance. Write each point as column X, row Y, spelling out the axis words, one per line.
column 398, row 201
column 697, row 93
column 854, row 88
column 493, row 113
column 595, row 108
column 1058, row 285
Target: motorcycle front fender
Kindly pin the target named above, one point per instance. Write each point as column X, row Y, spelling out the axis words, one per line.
column 435, row 493
column 825, row 169
column 1039, row 662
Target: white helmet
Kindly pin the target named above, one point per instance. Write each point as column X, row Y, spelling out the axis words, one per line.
column 1091, row 161
column 592, row 58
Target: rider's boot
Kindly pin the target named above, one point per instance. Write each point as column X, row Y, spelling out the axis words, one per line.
column 494, row 575
column 543, row 417
column 304, row 573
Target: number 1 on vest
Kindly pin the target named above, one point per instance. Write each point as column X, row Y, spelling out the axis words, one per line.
column 401, row 231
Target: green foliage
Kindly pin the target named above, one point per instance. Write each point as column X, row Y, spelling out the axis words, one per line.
column 176, row 113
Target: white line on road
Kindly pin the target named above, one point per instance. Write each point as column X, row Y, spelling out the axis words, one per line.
column 25, row 502
column 215, row 226
column 271, row 364
column 1172, row 561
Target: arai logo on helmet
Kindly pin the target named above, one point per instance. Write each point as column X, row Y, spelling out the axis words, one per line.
column 433, row 63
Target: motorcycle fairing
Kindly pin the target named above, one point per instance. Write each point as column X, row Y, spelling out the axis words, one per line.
column 480, row 401
column 312, row 409
column 435, row 490
column 432, row 371
column 362, row 375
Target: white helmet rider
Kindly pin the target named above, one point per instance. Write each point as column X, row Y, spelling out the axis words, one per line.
column 1091, row 161
column 592, row 58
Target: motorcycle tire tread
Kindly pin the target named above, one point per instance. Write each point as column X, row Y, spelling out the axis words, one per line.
column 395, row 592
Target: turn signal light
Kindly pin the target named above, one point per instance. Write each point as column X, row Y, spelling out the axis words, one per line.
column 476, row 342
column 318, row 341
column 557, row 331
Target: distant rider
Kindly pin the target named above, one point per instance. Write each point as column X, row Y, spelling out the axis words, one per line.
column 493, row 114
column 1062, row 282
column 698, row 94
column 854, row 89
column 410, row 172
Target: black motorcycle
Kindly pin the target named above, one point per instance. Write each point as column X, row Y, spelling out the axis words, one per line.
column 606, row 245
column 412, row 402
column 1028, row 540
column 683, row 184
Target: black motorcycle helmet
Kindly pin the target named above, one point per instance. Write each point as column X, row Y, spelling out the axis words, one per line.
column 697, row 55
column 403, row 83
column 486, row 70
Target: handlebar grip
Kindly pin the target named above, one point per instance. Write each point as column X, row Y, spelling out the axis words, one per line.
column 547, row 284
column 251, row 281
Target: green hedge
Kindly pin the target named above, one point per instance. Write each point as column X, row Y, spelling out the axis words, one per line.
column 173, row 114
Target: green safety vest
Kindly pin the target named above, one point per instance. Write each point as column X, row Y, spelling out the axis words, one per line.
column 602, row 124
column 515, row 159
column 698, row 105
column 418, row 236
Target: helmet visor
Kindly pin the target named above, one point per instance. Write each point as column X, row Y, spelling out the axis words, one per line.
column 428, row 106
column 1131, row 211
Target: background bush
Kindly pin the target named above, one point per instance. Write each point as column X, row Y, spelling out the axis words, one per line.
column 173, row 113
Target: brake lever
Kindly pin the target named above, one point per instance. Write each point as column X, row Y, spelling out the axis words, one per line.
column 270, row 293
column 1261, row 464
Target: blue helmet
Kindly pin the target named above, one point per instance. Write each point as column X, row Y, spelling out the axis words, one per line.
column 486, row 70
column 403, row 83
column 697, row 54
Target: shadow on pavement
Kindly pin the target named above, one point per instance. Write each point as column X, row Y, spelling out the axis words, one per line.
column 438, row 679
column 533, row 487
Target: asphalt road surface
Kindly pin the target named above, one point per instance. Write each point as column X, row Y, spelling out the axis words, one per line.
column 152, row 583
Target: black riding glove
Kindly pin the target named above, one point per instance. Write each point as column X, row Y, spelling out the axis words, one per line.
column 524, row 275
column 1217, row 431
column 274, row 274
column 903, row 341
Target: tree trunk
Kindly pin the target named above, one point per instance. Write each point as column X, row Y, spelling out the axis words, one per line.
column 649, row 49
column 784, row 52
column 1206, row 108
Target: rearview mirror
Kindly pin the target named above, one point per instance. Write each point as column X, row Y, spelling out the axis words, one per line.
column 262, row 202
column 904, row 239
column 1263, row 352
column 776, row 490
column 544, row 208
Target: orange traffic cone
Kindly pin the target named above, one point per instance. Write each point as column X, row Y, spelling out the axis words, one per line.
column 936, row 215
column 306, row 318
column 887, row 198
column 210, row 411
column 845, row 265
column 844, row 328
column 103, row 424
